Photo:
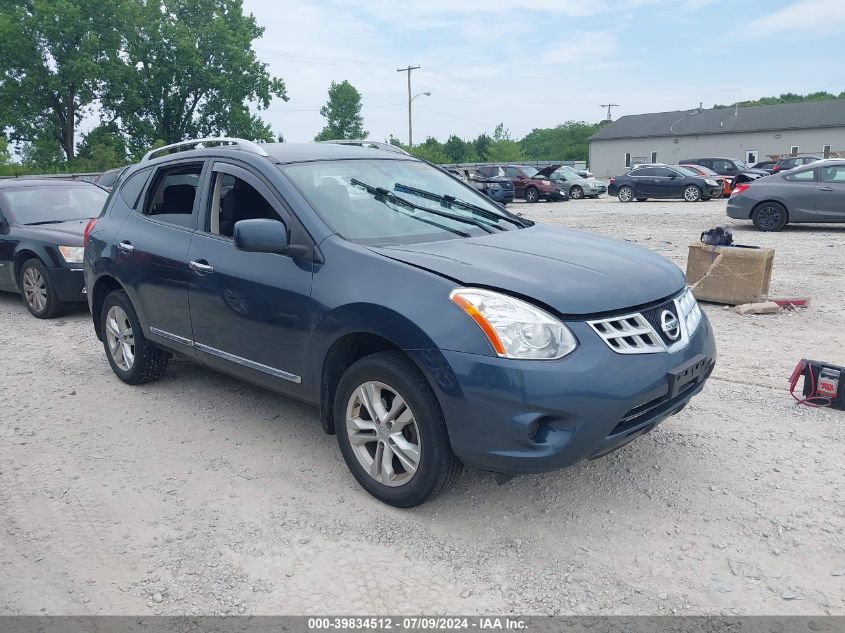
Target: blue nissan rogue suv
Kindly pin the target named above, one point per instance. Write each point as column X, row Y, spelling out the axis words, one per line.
column 432, row 327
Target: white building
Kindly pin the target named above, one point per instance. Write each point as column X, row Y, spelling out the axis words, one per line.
column 751, row 133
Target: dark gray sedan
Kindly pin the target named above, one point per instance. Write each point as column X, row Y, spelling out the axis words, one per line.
column 812, row 193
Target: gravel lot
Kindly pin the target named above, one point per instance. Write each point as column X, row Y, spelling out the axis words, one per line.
column 202, row 494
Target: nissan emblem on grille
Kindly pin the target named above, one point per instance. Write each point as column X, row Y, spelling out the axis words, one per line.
column 670, row 325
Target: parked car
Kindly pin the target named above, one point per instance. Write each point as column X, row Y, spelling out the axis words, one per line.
column 725, row 181
column 734, row 168
column 575, row 185
column 41, row 224
column 108, row 178
column 431, row 327
column 812, row 193
column 526, row 182
column 500, row 190
column 792, row 162
column 663, row 181
column 765, row 165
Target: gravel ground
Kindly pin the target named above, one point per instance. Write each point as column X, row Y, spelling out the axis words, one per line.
column 202, row 494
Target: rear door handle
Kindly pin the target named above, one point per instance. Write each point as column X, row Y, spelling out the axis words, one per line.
column 201, row 266
column 126, row 246
column 826, row 189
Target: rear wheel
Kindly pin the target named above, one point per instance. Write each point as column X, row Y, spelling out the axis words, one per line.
column 132, row 358
column 532, row 194
column 38, row 291
column 576, row 192
column 770, row 216
column 692, row 193
column 391, row 431
column 625, row 194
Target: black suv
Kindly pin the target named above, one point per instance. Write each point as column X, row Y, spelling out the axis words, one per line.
column 792, row 162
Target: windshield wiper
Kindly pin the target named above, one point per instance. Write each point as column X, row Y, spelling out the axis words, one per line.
column 448, row 201
column 383, row 195
column 48, row 222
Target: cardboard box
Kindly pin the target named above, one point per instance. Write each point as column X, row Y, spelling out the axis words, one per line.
column 729, row 274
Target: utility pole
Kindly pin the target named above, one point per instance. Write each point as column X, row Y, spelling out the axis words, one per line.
column 609, row 106
column 410, row 126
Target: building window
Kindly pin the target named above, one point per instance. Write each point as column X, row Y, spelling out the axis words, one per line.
column 627, row 159
column 826, row 151
column 654, row 157
column 794, row 150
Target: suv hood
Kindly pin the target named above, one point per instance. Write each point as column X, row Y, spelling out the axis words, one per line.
column 573, row 272
column 547, row 171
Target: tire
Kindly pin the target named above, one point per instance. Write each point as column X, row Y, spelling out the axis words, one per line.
column 576, row 192
column 125, row 335
column 383, row 375
column 770, row 216
column 625, row 194
column 692, row 193
column 38, row 291
column 532, row 194
column 641, row 199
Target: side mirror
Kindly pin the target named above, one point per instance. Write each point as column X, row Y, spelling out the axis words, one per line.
column 262, row 236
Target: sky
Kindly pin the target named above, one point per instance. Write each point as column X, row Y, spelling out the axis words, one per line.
column 539, row 63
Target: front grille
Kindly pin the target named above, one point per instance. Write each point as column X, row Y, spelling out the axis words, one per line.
column 629, row 334
column 653, row 316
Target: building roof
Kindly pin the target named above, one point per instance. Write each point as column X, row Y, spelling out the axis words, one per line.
column 786, row 116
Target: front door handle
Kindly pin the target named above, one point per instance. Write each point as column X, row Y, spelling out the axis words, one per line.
column 126, row 246
column 825, row 188
column 201, row 266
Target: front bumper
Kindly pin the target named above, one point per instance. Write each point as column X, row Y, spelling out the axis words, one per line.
column 500, row 195
column 69, row 284
column 514, row 417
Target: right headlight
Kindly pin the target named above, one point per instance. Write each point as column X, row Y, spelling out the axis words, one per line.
column 515, row 329
column 690, row 311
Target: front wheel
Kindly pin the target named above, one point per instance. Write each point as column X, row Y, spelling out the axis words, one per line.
column 770, row 216
column 576, row 192
column 625, row 194
column 692, row 193
column 532, row 194
column 38, row 291
column 391, row 431
column 132, row 358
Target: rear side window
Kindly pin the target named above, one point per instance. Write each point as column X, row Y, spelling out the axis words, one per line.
column 661, row 172
column 643, row 171
column 802, row 176
column 835, row 173
column 131, row 188
column 172, row 195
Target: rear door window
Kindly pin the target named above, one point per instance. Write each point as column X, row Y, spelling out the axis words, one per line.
column 172, row 195
column 802, row 176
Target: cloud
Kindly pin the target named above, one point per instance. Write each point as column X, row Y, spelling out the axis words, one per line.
column 807, row 15
column 595, row 46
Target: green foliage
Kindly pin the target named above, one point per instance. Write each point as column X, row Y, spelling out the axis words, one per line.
column 343, row 114
column 569, row 141
column 190, row 71
column 431, row 150
column 459, row 151
column 56, row 58
column 103, row 148
column 5, row 155
column 787, row 97
column 42, row 151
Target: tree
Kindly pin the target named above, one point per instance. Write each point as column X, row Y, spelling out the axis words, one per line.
column 103, row 148
column 568, row 141
column 56, row 57
column 431, row 150
column 5, row 156
column 482, row 146
column 459, row 151
column 190, row 71
column 42, row 151
column 503, row 148
column 788, row 97
column 343, row 113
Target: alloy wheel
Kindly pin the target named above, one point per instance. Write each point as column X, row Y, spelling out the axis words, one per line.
column 691, row 194
column 383, row 433
column 35, row 289
column 769, row 218
column 626, row 194
column 120, row 338
column 576, row 193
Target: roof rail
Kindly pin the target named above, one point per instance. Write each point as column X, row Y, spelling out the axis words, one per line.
column 238, row 143
column 365, row 143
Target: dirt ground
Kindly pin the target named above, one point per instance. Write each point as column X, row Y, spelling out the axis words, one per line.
column 202, row 494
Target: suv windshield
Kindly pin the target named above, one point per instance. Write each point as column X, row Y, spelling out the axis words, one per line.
column 529, row 171
column 52, row 203
column 395, row 201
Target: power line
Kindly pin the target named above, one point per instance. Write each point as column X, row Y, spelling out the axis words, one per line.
column 609, row 106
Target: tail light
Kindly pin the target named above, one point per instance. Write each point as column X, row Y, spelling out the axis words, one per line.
column 775, row 168
column 612, row 180
column 88, row 228
column 740, row 188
